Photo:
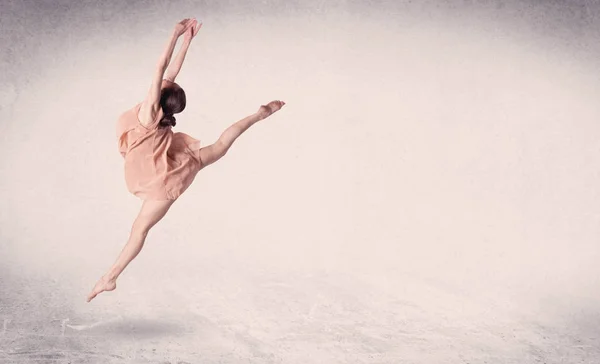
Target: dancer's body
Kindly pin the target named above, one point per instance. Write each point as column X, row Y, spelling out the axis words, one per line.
column 159, row 164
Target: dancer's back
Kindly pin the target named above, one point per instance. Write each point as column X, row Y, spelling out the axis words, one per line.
column 159, row 164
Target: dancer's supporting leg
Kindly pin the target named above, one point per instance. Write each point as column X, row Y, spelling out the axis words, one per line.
column 150, row 214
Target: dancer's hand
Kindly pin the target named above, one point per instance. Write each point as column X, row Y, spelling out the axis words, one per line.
column 267, row 110
column 184, row 25
column 192, row 31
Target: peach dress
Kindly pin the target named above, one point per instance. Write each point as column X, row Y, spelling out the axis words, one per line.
column 159, row 164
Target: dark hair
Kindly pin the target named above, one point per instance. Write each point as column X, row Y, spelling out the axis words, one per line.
column 172, row 101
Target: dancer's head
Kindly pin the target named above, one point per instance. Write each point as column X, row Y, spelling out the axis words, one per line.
column 172, row 101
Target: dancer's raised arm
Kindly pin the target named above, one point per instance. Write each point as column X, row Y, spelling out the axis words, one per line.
column 217, row 150
column 175, row 66
column 151, row 104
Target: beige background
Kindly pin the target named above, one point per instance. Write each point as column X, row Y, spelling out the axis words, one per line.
column 429, row 194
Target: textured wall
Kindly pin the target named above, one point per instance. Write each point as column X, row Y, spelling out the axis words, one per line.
column 429, row 192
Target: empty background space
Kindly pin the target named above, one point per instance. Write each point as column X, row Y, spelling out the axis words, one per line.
column 429, row 193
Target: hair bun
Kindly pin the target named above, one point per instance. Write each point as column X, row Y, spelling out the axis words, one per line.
column 168, row 120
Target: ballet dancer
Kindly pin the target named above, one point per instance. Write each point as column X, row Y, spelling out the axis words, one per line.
column 160, row 164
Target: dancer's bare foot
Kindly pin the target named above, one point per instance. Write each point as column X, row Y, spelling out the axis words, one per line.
column 267, row 110
column 104, row 284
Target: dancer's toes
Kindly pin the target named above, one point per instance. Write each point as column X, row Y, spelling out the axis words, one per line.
column 102, row 285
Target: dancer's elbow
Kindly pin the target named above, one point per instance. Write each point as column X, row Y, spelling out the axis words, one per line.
column 161, row 66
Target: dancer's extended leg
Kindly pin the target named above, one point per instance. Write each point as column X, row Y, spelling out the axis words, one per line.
column 150, row 213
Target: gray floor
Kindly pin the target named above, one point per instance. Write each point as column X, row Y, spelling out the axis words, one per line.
column 268, row 316
column 429, row 194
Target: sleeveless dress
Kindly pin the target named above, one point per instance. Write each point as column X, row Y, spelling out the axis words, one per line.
column 159, row 164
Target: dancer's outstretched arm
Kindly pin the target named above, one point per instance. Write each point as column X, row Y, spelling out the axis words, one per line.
column 217, row 150
column 175, row 66
column 151, row 104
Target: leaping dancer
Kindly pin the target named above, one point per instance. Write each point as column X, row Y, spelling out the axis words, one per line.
column 160, row 164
